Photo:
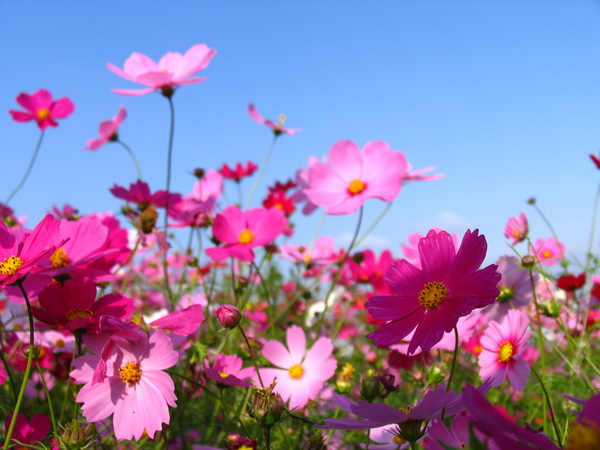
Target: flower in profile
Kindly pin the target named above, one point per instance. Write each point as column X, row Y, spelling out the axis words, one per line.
column 30, row 433
column 241, row 231
column 134, row 387
column 227, row 370
column 324, row 252
column 503, row 346
column 173, row 70
column 548, row 251
column 570, row 283
column 353, row 176
column 432, row 299
column 41, row 108
column 139, row 193
column 517, row 229
column 302, row 373
column 277, row 128
column 108, row 130
column 596, row 161
column 238, row 172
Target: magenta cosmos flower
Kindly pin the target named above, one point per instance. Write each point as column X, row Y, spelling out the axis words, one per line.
column 28, row 433
column 432, row 299
column 241, row 231
column 41, row 108
column 517, row 229
column 108, row 130
column 135, row 390
column 503, row 346
column 277, row 128
column 227, row 371
column 353, row 176
column 139, row 193
column 173, row 70
column 302, row 373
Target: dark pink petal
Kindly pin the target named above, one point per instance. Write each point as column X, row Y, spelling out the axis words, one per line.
column 42, row 98
column 393, row 332
column 115, row 305
column 28, row 102
column 437, row 254
column 62, row 108
column 392, row 307
column 183, row 322
column 20, row 116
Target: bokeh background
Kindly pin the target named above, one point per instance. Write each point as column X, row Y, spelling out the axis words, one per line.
column 503, row 97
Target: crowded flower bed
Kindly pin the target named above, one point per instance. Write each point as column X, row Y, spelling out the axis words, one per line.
column 115, row 336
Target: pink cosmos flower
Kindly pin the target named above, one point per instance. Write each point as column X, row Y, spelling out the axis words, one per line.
column 418, row 175
column 173, row 70
column 277, row 128
column 73, row 305
column 353, row 176
column 29, row 433
column 302, row 181
column 433, row 298
column 211, row 185
column 503, row 347
column 302, row 373
column 241, row 231
column 227, row 370
column 548, row 251
column 108, row 130
column 41, row 108
column 411, row 250
column 238, row 172
column 517, row 229
column 324, row 252
column 135, row 390
column 139, row 193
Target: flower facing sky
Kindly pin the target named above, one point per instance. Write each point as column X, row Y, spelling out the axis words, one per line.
column 40, row 107
column 108, row 130
column 301, row 374
column 173, row 70
column 432, row 299
column 277, row 128
column 517, row 229
column 135, row 388
column 503, row 347
column 353, row 176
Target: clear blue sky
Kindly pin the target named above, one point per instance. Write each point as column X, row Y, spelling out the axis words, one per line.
column 501, row 96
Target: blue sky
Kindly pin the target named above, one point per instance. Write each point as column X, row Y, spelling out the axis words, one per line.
column 501, row 96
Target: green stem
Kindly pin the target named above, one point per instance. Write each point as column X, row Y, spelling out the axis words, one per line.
column 47, row 392
column 540, row 345
column 252, row 356
column 27, row 368
column 135, row 161
column 558, row 439
column 168, row 189
column 35, row 152
column 374, row 224
column 261, row 172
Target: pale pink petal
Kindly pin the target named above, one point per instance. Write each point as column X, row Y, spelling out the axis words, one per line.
column 296, row 343
column 276, row 353
column 346, row 160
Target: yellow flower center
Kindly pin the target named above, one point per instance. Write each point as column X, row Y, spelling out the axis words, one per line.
column 505, row 353
column 347, row 372
column 516, row 234
column 59, row 259
column 356, row 187
column 583, row 436
column 407, row 410
column 296, row 371
column 281, row 120
column 398, row 440
column 75, row 313
column 546, row 254
column 59, row 343
column 10, row 265
column 246, row 237
column 43, row 113
column 223, row 375
column 130, row 373
column 432, row 295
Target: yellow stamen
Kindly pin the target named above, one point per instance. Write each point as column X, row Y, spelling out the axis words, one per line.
column 583, row 436
column 296, row 371
column 130, row 373
column 281, row 120
column 43, row 113
column 75, row 313
column 59, row 258
column 432, row 295
column 356, row 187
column 223, row 375
column 347, row 372
column 10, row 265
column 407, row 410
column 246, row 237
column 505, row 353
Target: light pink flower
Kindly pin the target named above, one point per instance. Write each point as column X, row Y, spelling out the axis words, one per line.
column 302, row 180
column 418, row 175
column 324, row 252
column 134, row 389
column 211, row 185
column 277, row 128
column 353, row 176
column 302, row 373
column 503, row 347
column 241, row 231
column 227, row 370
column 548, row 251
column 108, row 130
column 173, row 70
column 41, row 108
column 517, row 229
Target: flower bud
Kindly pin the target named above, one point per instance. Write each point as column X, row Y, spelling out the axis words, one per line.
column 199, row 173
column 267, row 406
column 75, row 436
column 528, row 261
column 229, row 316
column 370, row 387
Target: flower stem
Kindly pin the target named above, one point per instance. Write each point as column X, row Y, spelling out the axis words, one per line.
column 35, row 152
column 452, row 366
column 168, row 189
column 374, row 224
column 252, row 356
column 13, row 421
column 261, row 172
column 135, row 162
column 558, row 439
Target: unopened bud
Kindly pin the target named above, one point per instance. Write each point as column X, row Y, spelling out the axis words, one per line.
column 528, row 261
column 75, row 436
column 199, row 173
column 229, row 316
column 267, row 406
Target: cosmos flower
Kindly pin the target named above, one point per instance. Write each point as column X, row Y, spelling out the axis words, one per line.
column 517, row 229
column 239, row 172
column 41, row 108
column 432, row 299
column 31, row 432
column 277, row 128
column 227, row 370
column 301, row 374
column 548, row 251
column 108, row 130
column 173, row 70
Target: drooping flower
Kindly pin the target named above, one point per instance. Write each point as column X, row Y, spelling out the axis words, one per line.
column 353, row 176
column 548, row 251
column 41, row 108
column 503, row 346
column 239, row 171
column 277, row 128
column 134, row 387
column 173, row 70
column 241, row 231
column 432, row 299
column 517, row 229
column 301, row 374
column 227, row 370
column 108, row 130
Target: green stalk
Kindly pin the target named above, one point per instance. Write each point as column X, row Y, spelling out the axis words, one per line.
column 261, row 172
column 166, row 222
column 135, row 161
column 20, row 185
